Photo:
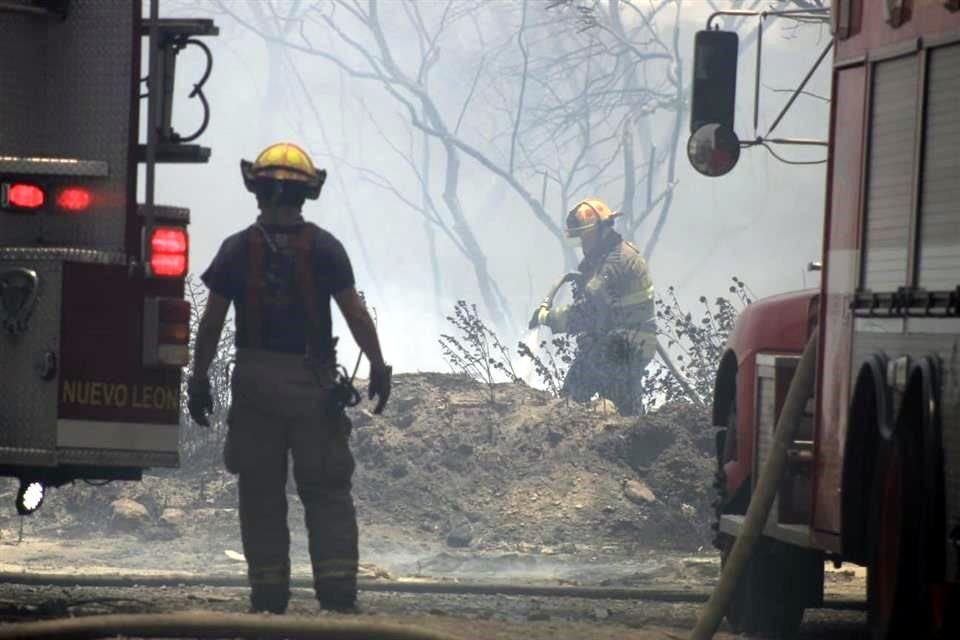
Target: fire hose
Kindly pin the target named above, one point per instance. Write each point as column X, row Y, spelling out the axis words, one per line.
column 664, row 355
column 203, row 624
column 801, row 387
column 659, row 593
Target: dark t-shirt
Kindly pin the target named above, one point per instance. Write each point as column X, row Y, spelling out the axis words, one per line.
column 283, row 315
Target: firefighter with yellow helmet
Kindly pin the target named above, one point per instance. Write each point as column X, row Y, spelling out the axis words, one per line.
column 288, row 396
column 612, row 314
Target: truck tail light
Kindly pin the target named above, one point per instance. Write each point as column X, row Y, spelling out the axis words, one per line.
column 74, row 199
column 166, row 332
column 168, row 252
column 23, row 196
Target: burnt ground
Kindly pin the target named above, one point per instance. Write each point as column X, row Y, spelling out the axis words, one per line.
column 456, row 479
column 452, row 467
column 467, row 617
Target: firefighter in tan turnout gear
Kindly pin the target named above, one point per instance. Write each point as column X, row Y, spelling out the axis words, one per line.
column 612, row 314
column 280, row 273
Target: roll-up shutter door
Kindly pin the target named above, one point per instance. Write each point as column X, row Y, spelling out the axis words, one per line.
column 890, row 178
column 939, row 260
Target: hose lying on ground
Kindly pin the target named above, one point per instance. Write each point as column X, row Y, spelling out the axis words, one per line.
column 664, row 593
column 801, row 387
column 678, row 593
column 204, row 624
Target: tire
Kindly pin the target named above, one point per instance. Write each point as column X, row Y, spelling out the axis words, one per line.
column 769, row 599
column 898, row 600
column 950, row 611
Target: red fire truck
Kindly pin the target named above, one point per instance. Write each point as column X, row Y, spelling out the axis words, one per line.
column 94, row 322
column 873, row 474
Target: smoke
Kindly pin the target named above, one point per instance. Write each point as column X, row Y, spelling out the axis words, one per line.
column 762, row 222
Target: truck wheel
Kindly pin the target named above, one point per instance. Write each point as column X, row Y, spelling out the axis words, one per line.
column 768, row 599
column 896, row 589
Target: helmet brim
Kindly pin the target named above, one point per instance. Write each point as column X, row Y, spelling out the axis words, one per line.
column 312, row 183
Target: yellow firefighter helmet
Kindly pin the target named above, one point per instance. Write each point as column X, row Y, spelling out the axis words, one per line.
column 284, row 162
column 588, row 214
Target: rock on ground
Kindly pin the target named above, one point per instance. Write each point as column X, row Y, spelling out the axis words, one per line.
column 129, row 514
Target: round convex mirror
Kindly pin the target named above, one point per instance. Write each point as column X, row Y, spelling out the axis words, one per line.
column 713, row 150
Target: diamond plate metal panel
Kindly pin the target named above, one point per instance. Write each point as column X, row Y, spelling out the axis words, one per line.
column 88, row 256
column 67, row 90
column 114, row 458
column 15, row 456
column 53, row 167
column 28, row 404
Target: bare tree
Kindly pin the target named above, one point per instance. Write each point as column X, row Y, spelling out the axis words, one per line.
column 571, row 91
column 614, row 77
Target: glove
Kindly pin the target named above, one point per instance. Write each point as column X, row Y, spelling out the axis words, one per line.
column 540, row 316
column 199, row 400
column 379, row 386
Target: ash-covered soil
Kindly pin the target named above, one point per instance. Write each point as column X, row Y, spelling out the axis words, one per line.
column 453, row 471
column 493, row 468
column 471, row 617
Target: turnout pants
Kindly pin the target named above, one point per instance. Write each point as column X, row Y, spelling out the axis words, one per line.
column 279, row 407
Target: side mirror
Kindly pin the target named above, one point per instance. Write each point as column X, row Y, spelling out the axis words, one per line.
column 714, row 78
column 713, row 150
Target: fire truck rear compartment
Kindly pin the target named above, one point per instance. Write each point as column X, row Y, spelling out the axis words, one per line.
column 76, row 392
column 91, row 384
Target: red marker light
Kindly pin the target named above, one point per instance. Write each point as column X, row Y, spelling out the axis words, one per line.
column 74, row 199
column 25, row 196
column 168, row 265
column 168, row 240
column 168, row 252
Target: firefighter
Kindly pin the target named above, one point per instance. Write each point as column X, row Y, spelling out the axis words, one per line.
column 612, row 314
column 280, row 274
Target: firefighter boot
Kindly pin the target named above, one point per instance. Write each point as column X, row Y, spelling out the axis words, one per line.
column 269, row 588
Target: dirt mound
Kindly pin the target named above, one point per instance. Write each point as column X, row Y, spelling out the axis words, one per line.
column 502, row 466
column 465, row 466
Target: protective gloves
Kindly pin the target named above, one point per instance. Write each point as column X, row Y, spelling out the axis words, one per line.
column 540, row 316
column 379, row 385
column 199, row 400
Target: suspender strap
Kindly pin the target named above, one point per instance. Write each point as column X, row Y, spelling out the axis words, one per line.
column 303, row 244
column 256, row 282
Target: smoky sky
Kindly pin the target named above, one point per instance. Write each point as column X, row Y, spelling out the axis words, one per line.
column 762, row 222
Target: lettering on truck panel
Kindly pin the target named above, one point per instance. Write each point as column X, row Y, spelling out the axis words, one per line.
column 118, row 395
